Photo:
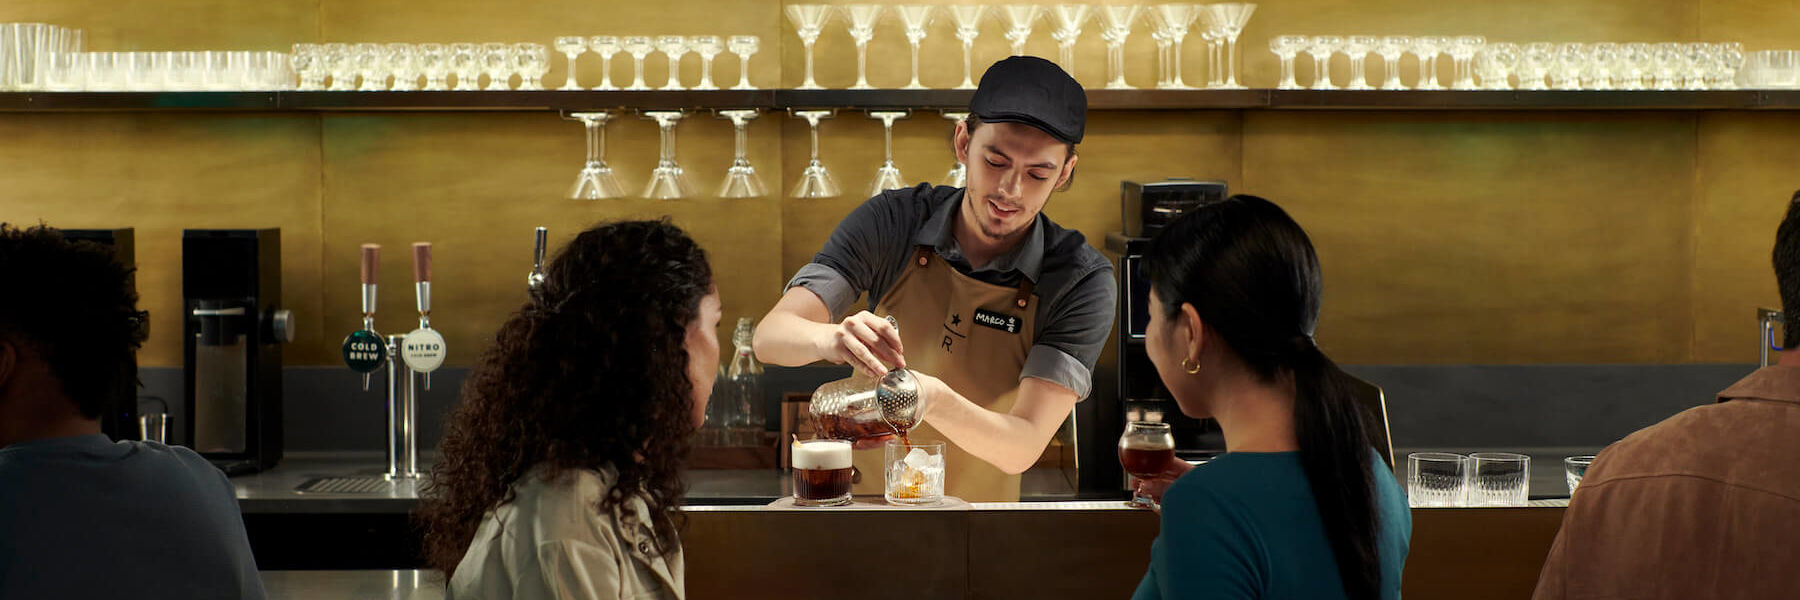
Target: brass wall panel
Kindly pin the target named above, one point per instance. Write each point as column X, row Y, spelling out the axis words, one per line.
column 162, row 173
column 1489, row 237
column 476, row 187
column 1746, row 178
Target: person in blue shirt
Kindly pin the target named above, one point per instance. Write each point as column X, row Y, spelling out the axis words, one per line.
column 1300, row 505
column 82, row 516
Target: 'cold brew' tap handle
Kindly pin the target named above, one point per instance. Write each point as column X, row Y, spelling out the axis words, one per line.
column 422, row 278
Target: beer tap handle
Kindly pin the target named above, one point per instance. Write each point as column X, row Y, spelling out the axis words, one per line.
column 422, row 285
column 536, row 278
column 362, row 349
column 371, row 275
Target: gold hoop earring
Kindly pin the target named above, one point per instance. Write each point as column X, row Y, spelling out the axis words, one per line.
column 1192, row 370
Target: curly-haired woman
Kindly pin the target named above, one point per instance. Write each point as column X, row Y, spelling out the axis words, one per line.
column 560, row 469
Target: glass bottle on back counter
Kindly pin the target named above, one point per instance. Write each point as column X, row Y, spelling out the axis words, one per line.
column 745, row 390
column 863, row 407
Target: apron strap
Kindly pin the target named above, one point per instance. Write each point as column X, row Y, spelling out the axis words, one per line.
column 922, row 259
column 1024, row 296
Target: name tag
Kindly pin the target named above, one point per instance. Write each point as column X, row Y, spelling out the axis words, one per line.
column 993, row 320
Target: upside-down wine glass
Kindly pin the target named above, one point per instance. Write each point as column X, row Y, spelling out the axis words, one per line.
column 596, row 180
column 667, row 180
column 741, row 180
column 815, row 181
column 888, row 176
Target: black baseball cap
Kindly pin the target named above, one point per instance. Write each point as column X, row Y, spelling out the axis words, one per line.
column 1035, row 92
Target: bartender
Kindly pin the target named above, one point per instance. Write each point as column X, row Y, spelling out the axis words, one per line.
column 1002, row 312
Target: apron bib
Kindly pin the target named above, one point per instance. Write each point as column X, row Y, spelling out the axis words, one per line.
column 971, row 334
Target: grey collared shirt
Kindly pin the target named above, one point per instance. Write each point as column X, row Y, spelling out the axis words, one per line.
column 1073, row 282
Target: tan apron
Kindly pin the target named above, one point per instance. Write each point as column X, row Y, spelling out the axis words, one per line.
column 971, row 334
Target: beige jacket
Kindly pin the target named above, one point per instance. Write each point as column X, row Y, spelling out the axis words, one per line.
column 1705, row 504
column 550, row 544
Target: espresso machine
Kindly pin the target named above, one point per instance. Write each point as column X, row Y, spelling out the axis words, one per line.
column 120, row 420
column 231, row 285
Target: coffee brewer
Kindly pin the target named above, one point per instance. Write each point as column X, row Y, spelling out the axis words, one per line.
column 120, row 419
column 231, row 283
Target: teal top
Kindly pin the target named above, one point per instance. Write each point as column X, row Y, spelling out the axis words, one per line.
column 1244, row 526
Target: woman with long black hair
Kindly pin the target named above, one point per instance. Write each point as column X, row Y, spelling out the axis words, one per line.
column 1300, row 505
column 560, row 470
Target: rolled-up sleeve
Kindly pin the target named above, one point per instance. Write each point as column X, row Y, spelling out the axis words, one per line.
column 1070, row 341
column 861, row 253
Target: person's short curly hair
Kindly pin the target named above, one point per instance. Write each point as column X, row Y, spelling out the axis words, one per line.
column 591, row 372
column 74, row 305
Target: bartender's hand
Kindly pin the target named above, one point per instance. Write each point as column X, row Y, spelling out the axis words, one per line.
column 1153, row 488
column 863, row 341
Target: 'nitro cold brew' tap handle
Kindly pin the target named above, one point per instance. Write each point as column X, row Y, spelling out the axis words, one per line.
column 423, row 349
column 363, row 350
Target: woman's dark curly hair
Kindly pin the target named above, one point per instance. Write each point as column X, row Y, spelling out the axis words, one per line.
column 593, row 371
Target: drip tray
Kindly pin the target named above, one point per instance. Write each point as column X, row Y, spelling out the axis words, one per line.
column 347, row 485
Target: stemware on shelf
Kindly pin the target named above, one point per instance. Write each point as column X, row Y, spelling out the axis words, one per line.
column 815, row 181
column 1231, row 17
column 1462, row 51
column 1667, row 57
column 1174, row 20
column 1534, row 65
column 1602, row 59
column 1019, row 19
column 967, row 18
column 741, row 180
column 1115, row 28
column 638, row 46
column 1427, row 48
column 888, row 176
column 1358, row 47
column 1391, row 48
column 1212, row 32
column 1494, row 62
column 596, row 180
column 1068, row 20
column 403, row 61
column 339, row 63
column 1321, row 47
column 531, row 61
column 1571, row 58
column 915, row 18
column 1286, row 48
column 743, row 46
column 708, row 47
column 861, row 19
column 1730, row 57
column 465, row 61
column 809, row 21
column 308, row 63
column 674, row 47
column 571, row 46
column 607, row 46
column 496, row 60
column 959, row 173
column 434, row 63
column 370, row 59
column 667, row 180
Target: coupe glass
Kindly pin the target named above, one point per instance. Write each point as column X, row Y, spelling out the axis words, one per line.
column 1730, row 59
column 862, row 19
column 1697, row 60
column 497, row 62
column 815, row 181
column 1427, row 48
column 308, row 63
column 1019, row 19
column 434, row 62
column 1174, row 21
column 707, row 46
column 959, row 173
column 465, row 61
column 968, row 27
column 741, row 180
column 1462, row 51
column 1321, row 47
column 1599, row 73
column 1635, row 57
column 1232, row 16
column 1667, row 58
column 638, row 46
column 531, row 61
column 596, row 181
column 667, row 181
column 915, row 18
column 888, row 176
column 339, row 63
column 607, row 46
column 1068, row 19
column 403, row 61
column 809, row 21
column 674, row 47
column 1115, row 28
column 1391, row 49
column 1358, row 47
column 1534, row 63
column 1286, row 47
column 1493, row 63
column 743, row 46
column 371, row 66
column 571, row 46
column 1145, row 450
column 1571, row 60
